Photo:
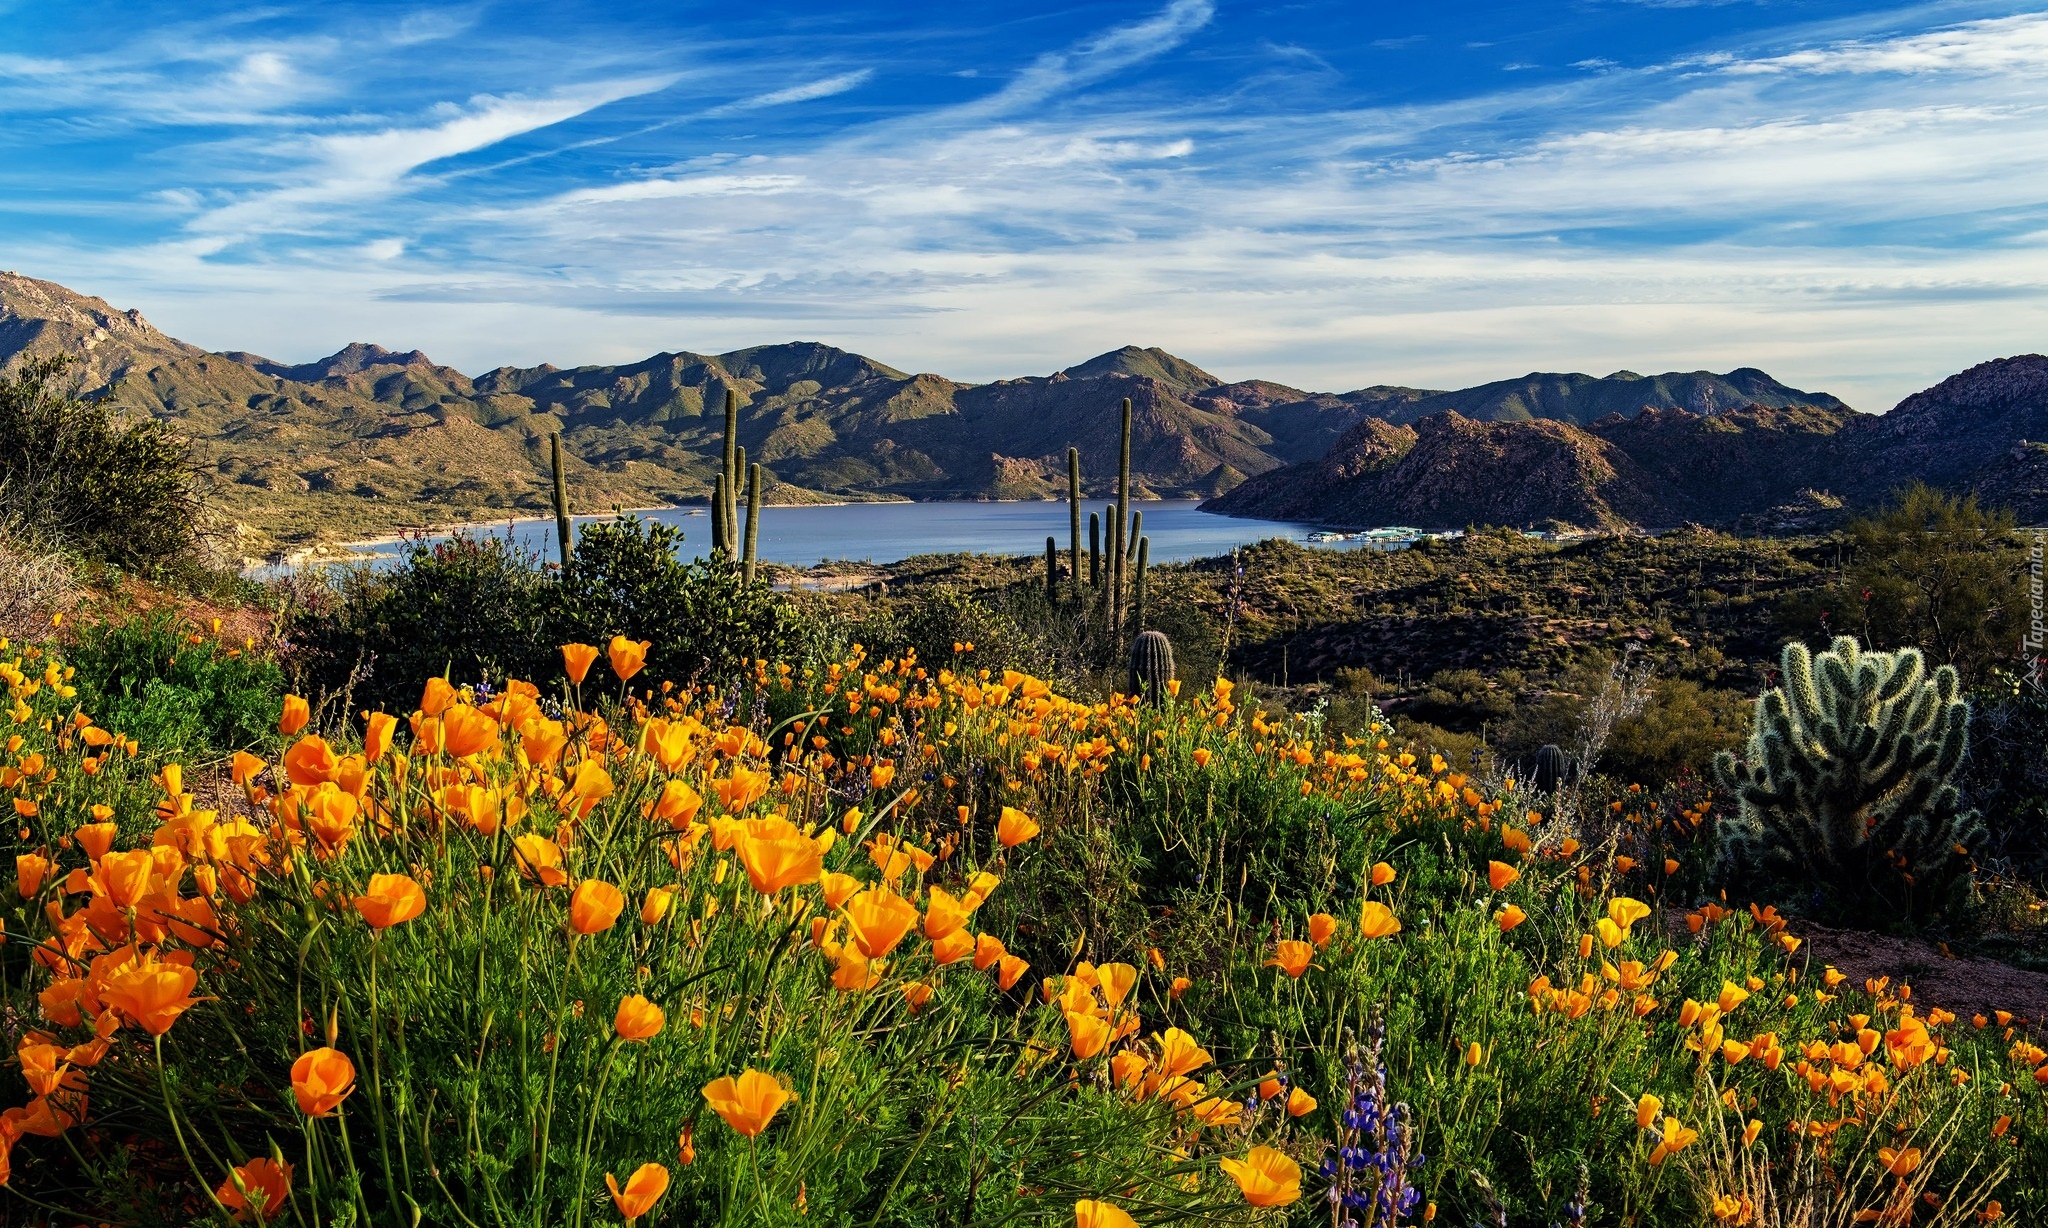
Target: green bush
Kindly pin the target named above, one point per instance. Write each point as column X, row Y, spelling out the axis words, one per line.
column 74, row 476
column 145, row 677
column 702, row 619
column 467, row 607
column 480, row 608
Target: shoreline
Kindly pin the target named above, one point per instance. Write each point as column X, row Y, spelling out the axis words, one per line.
column 357, row 546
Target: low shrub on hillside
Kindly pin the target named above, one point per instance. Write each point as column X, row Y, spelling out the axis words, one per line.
column 479, row 608
column 76, row 476
column 158, row 678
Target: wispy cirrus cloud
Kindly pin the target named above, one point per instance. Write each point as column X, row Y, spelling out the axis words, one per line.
column 1861, row 207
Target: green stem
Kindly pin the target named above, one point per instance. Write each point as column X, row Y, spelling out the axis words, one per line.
column 164, row 1085
column 604, row 1075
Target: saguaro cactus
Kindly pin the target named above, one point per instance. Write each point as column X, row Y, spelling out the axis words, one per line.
column 1137, row 532
column 561, row 498
column 1074, row 516
column 730, row 472
column 1151, row 666
column 753, row 532
column 1094, row 550
column 1121, row 523
column 1052, row 568
column 1138, row 584
column 720, row 548
column 1847, row 783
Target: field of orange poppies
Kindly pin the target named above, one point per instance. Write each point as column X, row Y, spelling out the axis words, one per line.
column 923, row 942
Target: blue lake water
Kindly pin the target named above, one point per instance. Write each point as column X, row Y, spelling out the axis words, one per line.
column 890, row 532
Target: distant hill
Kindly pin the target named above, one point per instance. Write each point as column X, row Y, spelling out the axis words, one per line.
column 1580, row 399
column 1789, row 465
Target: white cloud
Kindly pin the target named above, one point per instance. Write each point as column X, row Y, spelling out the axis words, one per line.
column 1997, row 46
column 825, row 88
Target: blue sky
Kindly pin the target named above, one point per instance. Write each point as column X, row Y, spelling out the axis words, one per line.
column 1851, row 196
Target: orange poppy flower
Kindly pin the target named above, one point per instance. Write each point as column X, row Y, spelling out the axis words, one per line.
column 310, row 761
column 1499, row 874
column 262, row 1189
column 29, row 870
column 294, row 716
column 643, row 1189
column 1267, row 1177
column 838, row 888
column 627, row 656
column 577, row 660
column 747, row 1103
column 952, row 948
column 788, row 861
column 595, row 906
column 1382, row 874
column 377, row 735
column 1291, row 956
column 1015, row 827
column 1300, row 1103
column 1510, row 917
column 96, row 838
column 391, row 899
column 322, row 1079
column 1321, row 928
column 987, row 950
column 637, row 1018
column 1087, row 1034
column 878, row 919
column 540, row 859
column 1088, row 1213
column 123, row 877
column 1009, row 970
column 1376, row 920
column 152, row 994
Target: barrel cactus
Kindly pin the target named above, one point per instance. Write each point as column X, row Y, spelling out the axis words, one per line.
column 1551, row 766
column 1846, row 790
column 1151, row 666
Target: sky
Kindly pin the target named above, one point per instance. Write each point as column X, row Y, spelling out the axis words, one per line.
column 1330, row 194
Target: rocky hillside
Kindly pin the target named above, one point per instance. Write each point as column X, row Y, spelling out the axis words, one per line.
column 1760, row 465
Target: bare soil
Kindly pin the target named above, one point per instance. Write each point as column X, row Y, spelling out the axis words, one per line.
column 1965, row 985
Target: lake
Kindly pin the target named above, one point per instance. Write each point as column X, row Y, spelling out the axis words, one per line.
column 890, row 532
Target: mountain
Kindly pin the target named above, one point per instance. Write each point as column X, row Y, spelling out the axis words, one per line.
column 41, row 318
column 1763, row 465
column 1580, row 399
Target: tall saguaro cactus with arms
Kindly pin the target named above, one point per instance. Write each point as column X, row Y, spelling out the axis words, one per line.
column 1847, row 784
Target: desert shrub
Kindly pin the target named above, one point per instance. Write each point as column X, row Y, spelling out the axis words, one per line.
column 1931, row 569
column 1678, row 733
column 468, row 607
column 76, row 476
column 701, row 618
column 938, row 622
column 167, row 684
column 35, row 585
column 2005, row 777
column 1847, row 787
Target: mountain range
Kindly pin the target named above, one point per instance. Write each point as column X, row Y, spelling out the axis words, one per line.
column 370, row 439
column 1761, row 466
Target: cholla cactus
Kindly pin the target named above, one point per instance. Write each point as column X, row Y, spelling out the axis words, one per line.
column 1847, row 782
